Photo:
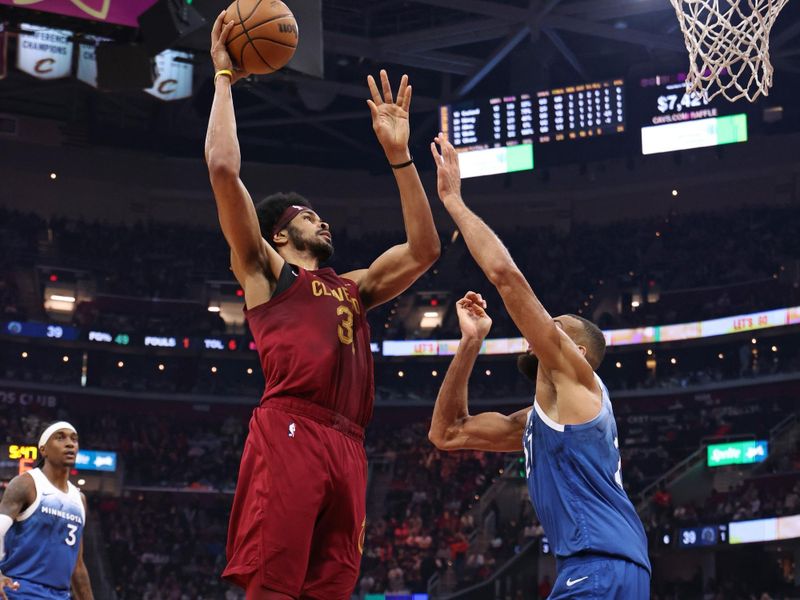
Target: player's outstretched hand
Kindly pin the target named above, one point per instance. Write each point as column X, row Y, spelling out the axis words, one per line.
column 390, row 117
column 219, row 49
column 448, row 172
column 6, row 582
column 472, row 317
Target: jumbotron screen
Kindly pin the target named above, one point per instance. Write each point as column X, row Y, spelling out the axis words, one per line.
column 492, row 137
column 497, row 135
column 676, row 120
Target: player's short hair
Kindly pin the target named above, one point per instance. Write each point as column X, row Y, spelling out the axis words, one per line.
column 270, row 209
column 594, row 340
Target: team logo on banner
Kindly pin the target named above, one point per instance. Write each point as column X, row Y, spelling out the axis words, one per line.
column 175, row 72
column 45, row 53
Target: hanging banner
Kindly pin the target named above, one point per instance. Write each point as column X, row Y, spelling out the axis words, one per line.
column 87, row 59
column 45, row 53
column 120, row 12
column 87, row 64
column 175, row 71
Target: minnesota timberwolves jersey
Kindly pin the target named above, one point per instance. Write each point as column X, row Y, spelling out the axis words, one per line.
column 42, row 545
column 575, row 484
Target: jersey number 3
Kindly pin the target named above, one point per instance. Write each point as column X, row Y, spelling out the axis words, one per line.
column 345, row 328
column 71, row 539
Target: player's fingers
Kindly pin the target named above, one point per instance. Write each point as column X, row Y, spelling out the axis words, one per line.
column 373, row 90
column 477, row 300
column 401, row 91
column 217, row 27
column 452, row 155
column 226, row 30
column 372, row 108
column 407, row 99
column 387, row 88
column 437, row 158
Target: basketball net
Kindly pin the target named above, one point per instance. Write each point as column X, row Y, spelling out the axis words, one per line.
column 728, row 44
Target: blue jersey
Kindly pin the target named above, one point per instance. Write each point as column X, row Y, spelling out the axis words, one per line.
column 575, row 484
column 42, row 545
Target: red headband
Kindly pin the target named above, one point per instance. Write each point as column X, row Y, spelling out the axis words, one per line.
column 290, row 213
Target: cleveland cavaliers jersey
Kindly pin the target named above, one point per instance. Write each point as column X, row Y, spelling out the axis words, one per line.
column 43, row 543
column 575, row 484
column 313, row 343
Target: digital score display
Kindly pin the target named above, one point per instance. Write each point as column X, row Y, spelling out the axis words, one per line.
column 498, row 135
column 581, row 111
column 491, row 137
column 705, row 535
column 677, row 120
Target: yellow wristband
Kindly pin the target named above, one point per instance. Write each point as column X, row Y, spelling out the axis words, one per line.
column 226, row 72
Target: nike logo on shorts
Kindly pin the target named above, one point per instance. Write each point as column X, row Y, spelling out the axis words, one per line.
column 571, row 582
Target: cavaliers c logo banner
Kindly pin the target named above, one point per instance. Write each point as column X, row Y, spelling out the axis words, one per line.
column 119, row 12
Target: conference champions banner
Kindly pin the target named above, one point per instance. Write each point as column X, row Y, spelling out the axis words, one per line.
column 45, row 53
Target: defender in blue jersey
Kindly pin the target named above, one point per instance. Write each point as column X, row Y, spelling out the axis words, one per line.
column 42, row 516
column 569, row 436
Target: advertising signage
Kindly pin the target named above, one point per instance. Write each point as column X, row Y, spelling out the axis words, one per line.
column 737, row 453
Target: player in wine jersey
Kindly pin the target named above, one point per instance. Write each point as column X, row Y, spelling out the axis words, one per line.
column 42, row 516
column 298, row 519
column 569, row 436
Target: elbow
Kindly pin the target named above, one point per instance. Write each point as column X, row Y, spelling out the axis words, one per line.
column 435, row 438
column 427, row 254
column 503, row 274
column 222, row 165
column 441, row 440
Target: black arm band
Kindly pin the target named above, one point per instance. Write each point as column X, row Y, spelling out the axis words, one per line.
column 402, row 165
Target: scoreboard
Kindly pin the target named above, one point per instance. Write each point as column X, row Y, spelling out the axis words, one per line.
column 491, row 137
column 497, row 135
column 676, row 120
column 581, row 111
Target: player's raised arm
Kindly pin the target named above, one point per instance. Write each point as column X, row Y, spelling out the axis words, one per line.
column 18, row 495
column 237, row 215
column 452, row 427
column 81, row 585
column 557, row 353
column 397, row 268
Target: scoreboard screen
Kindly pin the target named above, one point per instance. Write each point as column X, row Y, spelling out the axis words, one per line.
column 676, row 120
column 581, row 111
column 705, row 535
column 492, row 137
column 497, row 135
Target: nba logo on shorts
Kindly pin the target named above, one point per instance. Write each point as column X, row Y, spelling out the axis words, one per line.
column 292, row 428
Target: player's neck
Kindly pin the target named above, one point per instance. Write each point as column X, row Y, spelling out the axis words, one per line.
column 58, row 476
column 305, row 260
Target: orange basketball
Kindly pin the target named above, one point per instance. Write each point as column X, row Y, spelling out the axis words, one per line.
column 265, row 35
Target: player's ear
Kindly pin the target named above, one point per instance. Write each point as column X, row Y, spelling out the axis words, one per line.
column 280, row 238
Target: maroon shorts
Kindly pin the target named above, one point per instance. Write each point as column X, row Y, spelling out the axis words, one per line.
column 299, row 513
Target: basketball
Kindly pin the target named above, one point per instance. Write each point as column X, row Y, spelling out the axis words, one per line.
column 264, row 37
